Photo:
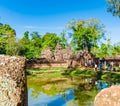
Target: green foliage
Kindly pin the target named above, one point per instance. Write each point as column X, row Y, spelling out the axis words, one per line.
column 83, row 73
column 36, row 45
column 116, row 48
column 113, row 6
column 80, row 73
column 63, row 40
column 2, row 45
column 109, row 76
column 101, row 52
column 55, row 86
column 106, row 76
column 106, row 49
column 25, row 45
column 31, row 48
column 115, row 77
column 50, row 39
column 86, row 34
column 7, row 40
column 7, row 31
column 12, row 47
column 82, row 96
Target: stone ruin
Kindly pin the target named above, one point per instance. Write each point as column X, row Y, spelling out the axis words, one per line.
column 59, row 54
column 66, row 55
column 47, row 54
column 81, row 59
column 13, row 85
column 62, row 54
column 108, row 97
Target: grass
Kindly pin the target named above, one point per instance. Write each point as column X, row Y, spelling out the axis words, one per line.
column 62, row 72
column 46, row 70
column 47, row 73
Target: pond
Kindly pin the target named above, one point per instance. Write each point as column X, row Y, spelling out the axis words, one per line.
column 63, row 91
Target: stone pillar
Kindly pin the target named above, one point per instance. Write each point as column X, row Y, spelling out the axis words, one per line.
column 58, row 53
column 13, row 84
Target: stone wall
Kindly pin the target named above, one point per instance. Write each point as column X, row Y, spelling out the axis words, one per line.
column 13, row 84
column 48, row 65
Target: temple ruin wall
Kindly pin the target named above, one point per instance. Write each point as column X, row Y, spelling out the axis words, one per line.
column 48, row 65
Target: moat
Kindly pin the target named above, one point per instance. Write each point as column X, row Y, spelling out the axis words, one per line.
column 44, row 90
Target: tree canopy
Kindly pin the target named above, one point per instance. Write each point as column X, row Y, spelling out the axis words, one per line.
column 7, row 39
column 50, row 39
column 113, row 6
column 7, row 31
column 86, row 34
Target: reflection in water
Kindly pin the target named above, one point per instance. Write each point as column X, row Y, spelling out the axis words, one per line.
column 45, row 100
column 62, row 91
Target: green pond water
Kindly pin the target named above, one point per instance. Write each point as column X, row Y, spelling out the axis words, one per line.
column 60, row 91
column 56, row 90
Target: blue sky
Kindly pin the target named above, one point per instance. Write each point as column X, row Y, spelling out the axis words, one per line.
column 53, row 15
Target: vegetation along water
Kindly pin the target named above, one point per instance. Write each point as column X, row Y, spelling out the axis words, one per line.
column 51, row 87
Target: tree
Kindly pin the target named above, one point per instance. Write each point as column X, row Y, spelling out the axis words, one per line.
column 30, row 48
column 7, row 31
column 113, row 6
column 86, row 34
column 50, row 39
column 12, row 47
column 35, row 44
column 63, row 40
column 117, row 48
column 24, row 44
column 2, row 45
column 105, row 49
column 35, row 35
column 7, row 40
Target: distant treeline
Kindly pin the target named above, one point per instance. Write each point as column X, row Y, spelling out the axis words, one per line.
column 79, row 35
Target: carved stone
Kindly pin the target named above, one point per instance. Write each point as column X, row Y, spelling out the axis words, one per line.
column 48, row 54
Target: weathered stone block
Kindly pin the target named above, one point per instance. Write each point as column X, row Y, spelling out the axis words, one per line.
column 108, row 97
column 13, row 84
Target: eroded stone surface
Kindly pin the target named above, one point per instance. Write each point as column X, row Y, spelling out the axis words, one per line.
column 13, row 86
column 47, row 53
column 9, row 92
column 58, row 53
column 108, row 97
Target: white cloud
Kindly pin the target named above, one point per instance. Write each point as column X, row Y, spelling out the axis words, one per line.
column 43, row 28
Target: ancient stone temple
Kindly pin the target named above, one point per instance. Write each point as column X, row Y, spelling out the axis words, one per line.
column 60, row 56
column 67, row 53
column 48, row 54
column 58, row 53
column 81, row 59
